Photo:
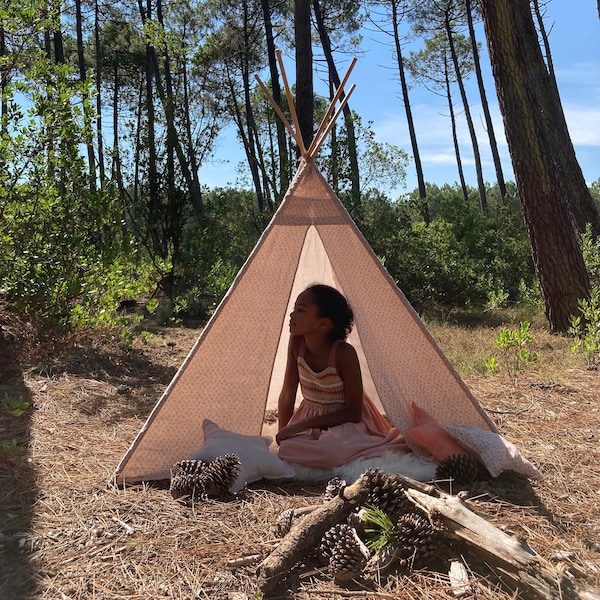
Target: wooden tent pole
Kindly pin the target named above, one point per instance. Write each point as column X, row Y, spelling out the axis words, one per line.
column 288, row 93
column 312, row 150
column 271, row 100
column 314, row 147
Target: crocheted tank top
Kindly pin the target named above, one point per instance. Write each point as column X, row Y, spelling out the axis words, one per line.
column 324, row 388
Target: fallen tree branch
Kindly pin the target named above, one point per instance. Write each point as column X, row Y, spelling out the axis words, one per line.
column 307, row 532
column 512, row 560
column 515, row 559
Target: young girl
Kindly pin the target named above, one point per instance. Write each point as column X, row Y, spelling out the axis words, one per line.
column 336, row 422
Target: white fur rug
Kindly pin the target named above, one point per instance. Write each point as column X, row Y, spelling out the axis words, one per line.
column 411, row 465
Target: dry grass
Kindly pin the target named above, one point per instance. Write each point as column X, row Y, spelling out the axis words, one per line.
column 67, row 534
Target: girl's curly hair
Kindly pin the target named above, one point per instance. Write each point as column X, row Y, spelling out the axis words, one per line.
column 333, row 305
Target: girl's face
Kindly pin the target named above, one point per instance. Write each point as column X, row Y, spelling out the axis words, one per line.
column 306, row 317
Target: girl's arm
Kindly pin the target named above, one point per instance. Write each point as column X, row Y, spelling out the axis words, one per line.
column 349, row 370
column 287, row 396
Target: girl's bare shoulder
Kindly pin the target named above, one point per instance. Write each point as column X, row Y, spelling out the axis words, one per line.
column 345, row 351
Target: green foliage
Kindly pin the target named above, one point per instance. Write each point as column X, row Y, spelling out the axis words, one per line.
column 586, row 330
column 379, row 528
column 515, row 346
column 595, row 192
column 590, row 248
column 216, row 246
column 220, row 278
column 13, row 405
column 585, row 327
column 56, row 230
column 497, row 299
column 146, row 336
column 152, row 306
column 11, row 448
column 461, row 258
column 106, row 284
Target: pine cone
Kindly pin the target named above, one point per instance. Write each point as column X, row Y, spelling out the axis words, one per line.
column 331, row 538
column 462, row 468
column 388, row 494
column 383, row 558
column 374, row 477
column 416, row 539
column 220, row 474
column 333, row 488
column 284, row 522
column 348, row 555
column 186, row 479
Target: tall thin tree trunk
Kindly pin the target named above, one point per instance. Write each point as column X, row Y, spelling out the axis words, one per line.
column 82, row 77
column 197, row 207
column 59, row 50
column 484, row 102
column 117, row 174
column 192, row 183
column 3, row 83
column 409, row 118
column 304, row 70
column 169, row 103
column 101, row 166
column 284, row 158
column 465, row 101
column 153, row 184
column 535, row 127
column 461, row 175
column 138, row 137
column 253, row 149
column 335, row 79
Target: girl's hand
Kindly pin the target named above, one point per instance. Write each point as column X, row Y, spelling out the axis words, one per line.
column 290, row 431
column 283, row 434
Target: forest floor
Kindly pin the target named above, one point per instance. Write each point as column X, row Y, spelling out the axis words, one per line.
column 65, row 533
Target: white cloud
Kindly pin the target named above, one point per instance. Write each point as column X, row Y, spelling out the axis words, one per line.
column 583, row 123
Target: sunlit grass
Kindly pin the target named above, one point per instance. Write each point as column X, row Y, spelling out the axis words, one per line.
column 468, row 340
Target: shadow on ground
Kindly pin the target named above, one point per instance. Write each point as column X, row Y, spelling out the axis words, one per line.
column 18, row 491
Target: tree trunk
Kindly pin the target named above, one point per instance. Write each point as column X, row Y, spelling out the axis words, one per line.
column 101, row 167
column 284, row 159
column 82, row 77
column 409, row 117
column 484, row 102
column 117, row 174
column 534, row 127
column 304, row 71
column 191, row 150
column 168, row 106
column 59, row 50
column 580, row 200
column 3, row 84
column 351, row 137
column 461, row 175
column 465, row 101
column 153, row 203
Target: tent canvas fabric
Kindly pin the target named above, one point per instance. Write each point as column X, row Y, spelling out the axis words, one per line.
column 234, row 371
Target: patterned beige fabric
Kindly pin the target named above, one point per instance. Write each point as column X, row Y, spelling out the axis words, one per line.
column 235, row 369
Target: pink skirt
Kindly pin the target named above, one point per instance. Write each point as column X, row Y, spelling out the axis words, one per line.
column 335, row 446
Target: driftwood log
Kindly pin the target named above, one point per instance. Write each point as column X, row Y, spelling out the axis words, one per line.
column 513, row 558
column 307, row 532
column 521, row 568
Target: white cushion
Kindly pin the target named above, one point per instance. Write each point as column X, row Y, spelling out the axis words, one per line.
column 256, row 461
column 496, row 453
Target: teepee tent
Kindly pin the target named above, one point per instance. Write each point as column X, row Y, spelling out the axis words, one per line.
column 234, row 372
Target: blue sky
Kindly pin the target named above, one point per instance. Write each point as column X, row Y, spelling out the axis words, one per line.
column 574, row 30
